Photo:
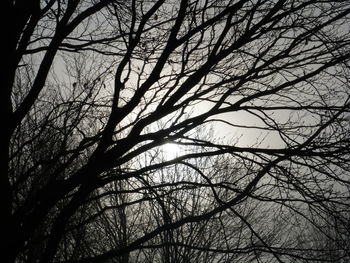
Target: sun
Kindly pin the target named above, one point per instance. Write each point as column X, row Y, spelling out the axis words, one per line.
column 171, row 151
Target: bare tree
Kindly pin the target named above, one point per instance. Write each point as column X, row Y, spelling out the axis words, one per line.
column 92, row 92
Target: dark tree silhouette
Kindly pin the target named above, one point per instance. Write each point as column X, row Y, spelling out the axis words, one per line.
column 174, row 131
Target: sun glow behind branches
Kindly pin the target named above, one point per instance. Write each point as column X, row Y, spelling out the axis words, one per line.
column 171, row 151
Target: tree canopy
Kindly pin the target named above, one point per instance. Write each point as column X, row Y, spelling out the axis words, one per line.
column 175, row 131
